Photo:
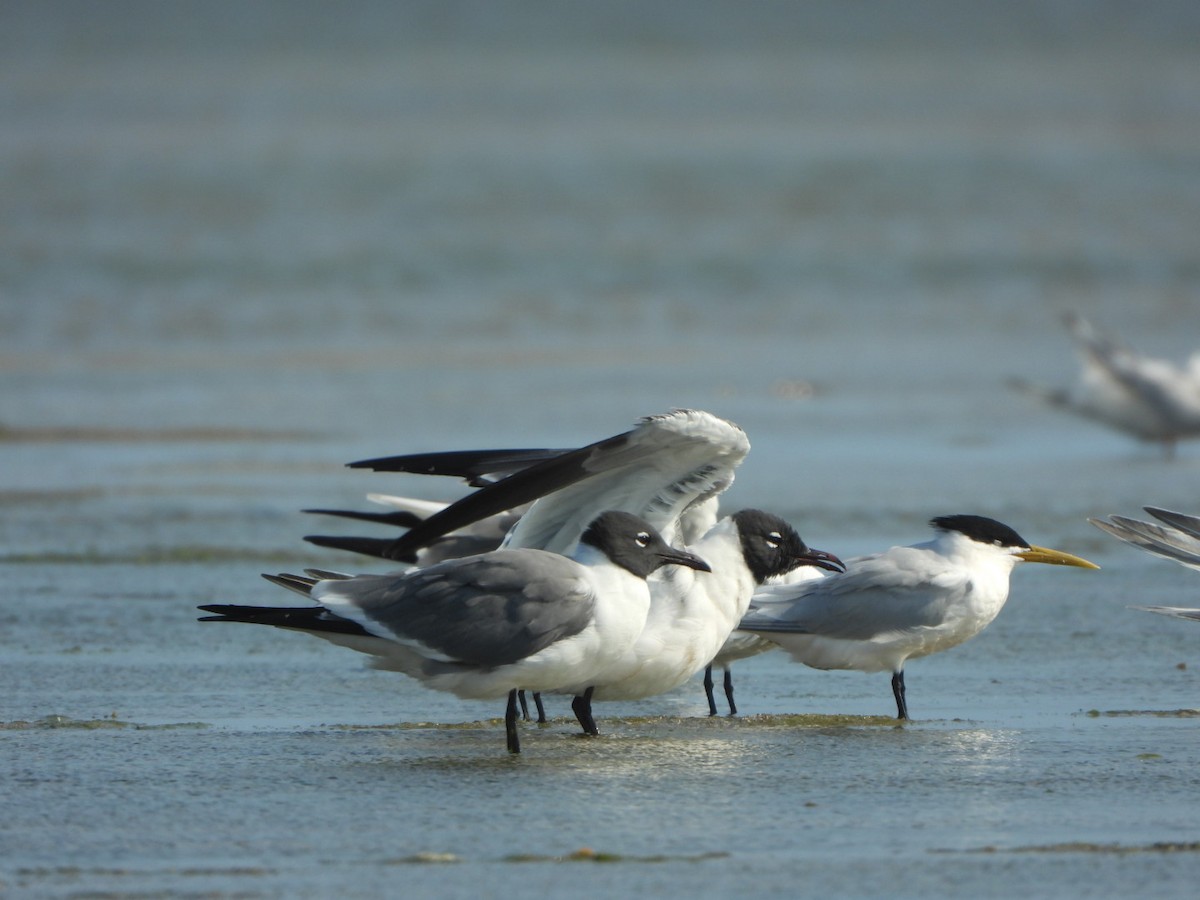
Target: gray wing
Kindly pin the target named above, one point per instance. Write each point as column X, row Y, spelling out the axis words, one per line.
column 487, row 610
column 667, row 466
column 659, row 470
column 1185, row 523
column 900, row 590
column 1177, row 612
column 1161, row 540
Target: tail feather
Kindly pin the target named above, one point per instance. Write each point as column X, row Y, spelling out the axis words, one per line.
column 303, row 618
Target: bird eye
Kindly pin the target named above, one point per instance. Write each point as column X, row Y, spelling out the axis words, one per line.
column 774, row 539
column 643, row 539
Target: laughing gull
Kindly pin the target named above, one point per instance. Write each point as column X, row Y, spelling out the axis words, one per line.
column 478, row 537
column 485, row 626
column 669, row 469
column 1151, row 399
column 691, row 615
column 685, row 633
column 1177, row 539
column 901, row 604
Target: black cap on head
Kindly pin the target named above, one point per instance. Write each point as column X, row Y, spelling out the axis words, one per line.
column 772, row 547
column 633, row 544
column 981, row 529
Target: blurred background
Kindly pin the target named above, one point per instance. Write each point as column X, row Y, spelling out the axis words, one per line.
column 417, row 221
column 244, row 243
column 387, row 227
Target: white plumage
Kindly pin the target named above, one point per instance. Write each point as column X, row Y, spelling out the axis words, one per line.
column 902, row 604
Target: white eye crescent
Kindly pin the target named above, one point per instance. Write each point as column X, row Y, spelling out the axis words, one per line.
column 774, row 539
column 643, row 539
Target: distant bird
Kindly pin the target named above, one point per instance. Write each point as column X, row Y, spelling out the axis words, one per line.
column 901, row 604
column 1177, row 540
column 669, row 469
column 486, row 626
column 1151, row 399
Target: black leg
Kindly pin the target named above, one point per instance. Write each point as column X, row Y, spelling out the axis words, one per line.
column 729, row 692
column 524, row 706
column 537, row 701
column 708, row 690
column 898, row 693
column 582, row 707
column 510, row 724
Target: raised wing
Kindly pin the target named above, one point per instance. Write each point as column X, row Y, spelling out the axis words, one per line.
column 476, row 467
column 662, row 468
column 408, row 512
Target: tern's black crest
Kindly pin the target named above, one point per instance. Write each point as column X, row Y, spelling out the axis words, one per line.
column 633, row 544
column 981, row 529
column 770, row 545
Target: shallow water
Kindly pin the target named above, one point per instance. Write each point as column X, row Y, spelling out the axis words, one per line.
column 241, row 249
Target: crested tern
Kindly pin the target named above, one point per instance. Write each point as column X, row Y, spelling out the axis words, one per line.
column 901, row 604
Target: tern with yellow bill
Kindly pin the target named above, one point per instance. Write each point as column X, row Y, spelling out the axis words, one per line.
column 900, row 604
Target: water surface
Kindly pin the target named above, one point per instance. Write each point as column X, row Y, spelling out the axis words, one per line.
column 241, row 249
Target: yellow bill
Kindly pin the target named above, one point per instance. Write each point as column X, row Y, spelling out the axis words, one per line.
column 1054, row 558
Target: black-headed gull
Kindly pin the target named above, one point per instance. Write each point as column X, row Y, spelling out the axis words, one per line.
column 670, row 469
column 486, row 626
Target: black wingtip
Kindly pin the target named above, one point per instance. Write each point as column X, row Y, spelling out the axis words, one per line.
column 380, row 548
column 552, row 470
column 470, row 465
column 399, row 518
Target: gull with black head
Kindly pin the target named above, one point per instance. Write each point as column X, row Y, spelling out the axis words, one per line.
column 486, row 626
column 669, row 469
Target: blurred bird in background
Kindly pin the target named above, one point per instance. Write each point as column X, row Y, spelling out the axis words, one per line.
column 1153, row 400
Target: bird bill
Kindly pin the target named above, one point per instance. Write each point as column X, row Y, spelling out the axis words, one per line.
column 1054, row 558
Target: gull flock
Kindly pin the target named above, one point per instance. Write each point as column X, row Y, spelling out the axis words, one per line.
column 609, row 572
